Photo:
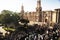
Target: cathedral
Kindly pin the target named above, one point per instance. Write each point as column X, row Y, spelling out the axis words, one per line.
column 41, row 16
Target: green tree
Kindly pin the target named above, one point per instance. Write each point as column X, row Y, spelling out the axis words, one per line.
column 8, row 17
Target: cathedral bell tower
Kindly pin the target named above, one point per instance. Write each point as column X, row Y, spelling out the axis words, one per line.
column 39, row 11
column 22, row 11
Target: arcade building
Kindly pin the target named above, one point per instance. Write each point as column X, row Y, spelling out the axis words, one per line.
column 41, row 16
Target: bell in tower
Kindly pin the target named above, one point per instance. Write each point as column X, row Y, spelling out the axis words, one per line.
column 39, row 11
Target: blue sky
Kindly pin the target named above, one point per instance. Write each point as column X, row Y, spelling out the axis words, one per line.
column 29, row 5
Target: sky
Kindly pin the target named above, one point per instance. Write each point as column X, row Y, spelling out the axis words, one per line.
column 29, row 5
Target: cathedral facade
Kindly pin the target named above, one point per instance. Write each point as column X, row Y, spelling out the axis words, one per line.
column 41, row 16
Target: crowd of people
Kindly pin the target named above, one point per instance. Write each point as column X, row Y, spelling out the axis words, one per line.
column 43, row 33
